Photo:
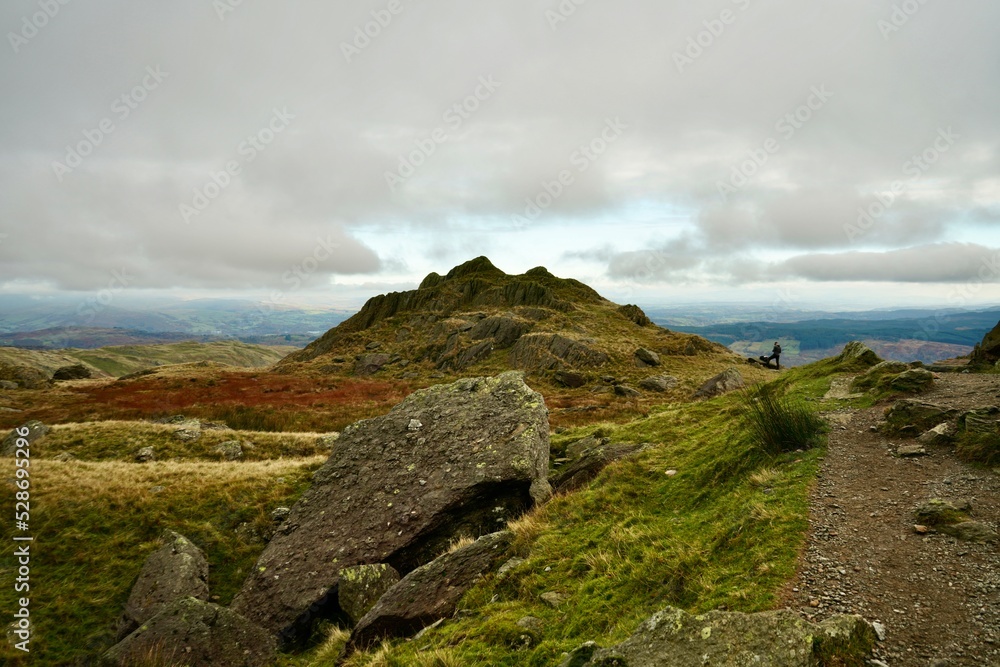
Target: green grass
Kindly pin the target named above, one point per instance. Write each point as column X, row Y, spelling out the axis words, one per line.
column 95, row 523
column 777, row 423
column 724, row 532
column 979, row 448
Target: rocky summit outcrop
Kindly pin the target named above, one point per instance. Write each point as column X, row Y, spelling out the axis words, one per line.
column 541, row 352
column 856, row 356
column 987, row 353
column 450, row 460
column 31, row 431
column 729, row 639
column 176, row 570
column 430, row 592
column 189, row 631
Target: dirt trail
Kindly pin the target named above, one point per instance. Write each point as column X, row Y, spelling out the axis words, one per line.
column 937, row 598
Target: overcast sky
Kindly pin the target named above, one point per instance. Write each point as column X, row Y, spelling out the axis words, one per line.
column 802, row 152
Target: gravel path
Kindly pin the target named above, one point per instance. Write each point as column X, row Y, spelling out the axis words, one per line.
column 937, row 598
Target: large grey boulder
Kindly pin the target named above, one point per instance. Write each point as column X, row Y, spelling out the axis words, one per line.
column 658, row 383
column 725, row 382
column 730, row 639
column 369, row 364
column 189, row 631
column 430, row 592
column 645, row 357
column 31, row 431
column 450, row 460
column 176, row 570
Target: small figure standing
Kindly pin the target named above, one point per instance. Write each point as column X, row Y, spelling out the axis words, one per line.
column 776, row 355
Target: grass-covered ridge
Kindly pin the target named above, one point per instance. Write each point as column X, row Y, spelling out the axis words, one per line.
column 702, row 519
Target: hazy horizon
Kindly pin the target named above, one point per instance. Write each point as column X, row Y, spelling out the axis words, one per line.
column 799, row 155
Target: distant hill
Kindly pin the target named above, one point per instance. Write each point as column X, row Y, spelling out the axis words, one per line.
column 478, row 320
column 930, row 337
column 121, row 360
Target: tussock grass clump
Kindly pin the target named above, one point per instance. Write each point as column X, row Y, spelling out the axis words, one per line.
column 979, row 448
column 777, row 423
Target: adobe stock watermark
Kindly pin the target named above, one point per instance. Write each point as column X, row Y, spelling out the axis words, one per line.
column 988, row 272
column 581, row 160
column 455, row 116
column 899, row 17
column 369, row 31
column 914, row 168
column 562, row 13
column 300, row 274
column 786, row 126
column 95, row 305
column 35, row 23
column 248, row 151
column 121, row 108
column 699, row 44
column 223, row 8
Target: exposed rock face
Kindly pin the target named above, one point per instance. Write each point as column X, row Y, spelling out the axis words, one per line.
column 541, row 352
column 369, row 364
column 728, row 639
column 461, row 359
column 911, row 381
column 873, row 375
column 176, row 570
column 725, row 382
column 590, row 464
column 504, row 330
column 361, row 587
column 430, row 592
column 74, row 372
column 30, row 431
column 658, row 383
column 458, row 459
column 189, row 631
column 635, row 314
column 912, row 417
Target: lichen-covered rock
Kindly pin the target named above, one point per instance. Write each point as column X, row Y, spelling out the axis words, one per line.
column 939, row 435
column 394, row 494
column 430, row 592
column 912, row 381
column 231, row 450
column 970, row 531
column 590, row 463
column 725, row 382
column 912, row 417
column 645, row 357
column 189, row 631
column 176, row 570
column 145, row 455
column 658, row 383
column 871, row 377
column 541, row 352
column 369, row 364
column 361, row 587
column 729, row 639
column 31, row 431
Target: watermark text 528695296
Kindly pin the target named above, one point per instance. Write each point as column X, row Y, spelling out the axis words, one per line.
column 21, row 626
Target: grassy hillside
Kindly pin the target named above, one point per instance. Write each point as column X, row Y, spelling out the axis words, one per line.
column 723, row 531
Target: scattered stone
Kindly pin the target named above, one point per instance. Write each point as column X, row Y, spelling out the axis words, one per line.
column 726, row 381
column 328, row 440
column 430, row 592
column 176, row 570
column 279, row 514
column 879, row 631
column 939, row 435
column 590, row 464
column 727, row 639
column 578, row 448
column 190, row 631
column 74, row 372
column 31, row 431
column 159, row 488
column 570, row 379
column 531, row 623
column 937, row 512
column 911, row 451
column 554, row 599
column 510, row 566
column 370, row 364
column 658, row 383
column 970, row 531
column 390, row 495
column 361, row 587
column 635, row 314
column 920, row 530
column 646, row 357
column 626, row 391
column 145, row 455
column 580, row 656
column 912, row 416
column 189, row 430
column 230, row 450
column 374, row 345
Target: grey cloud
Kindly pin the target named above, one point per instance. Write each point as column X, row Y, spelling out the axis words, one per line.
column 940, row 262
